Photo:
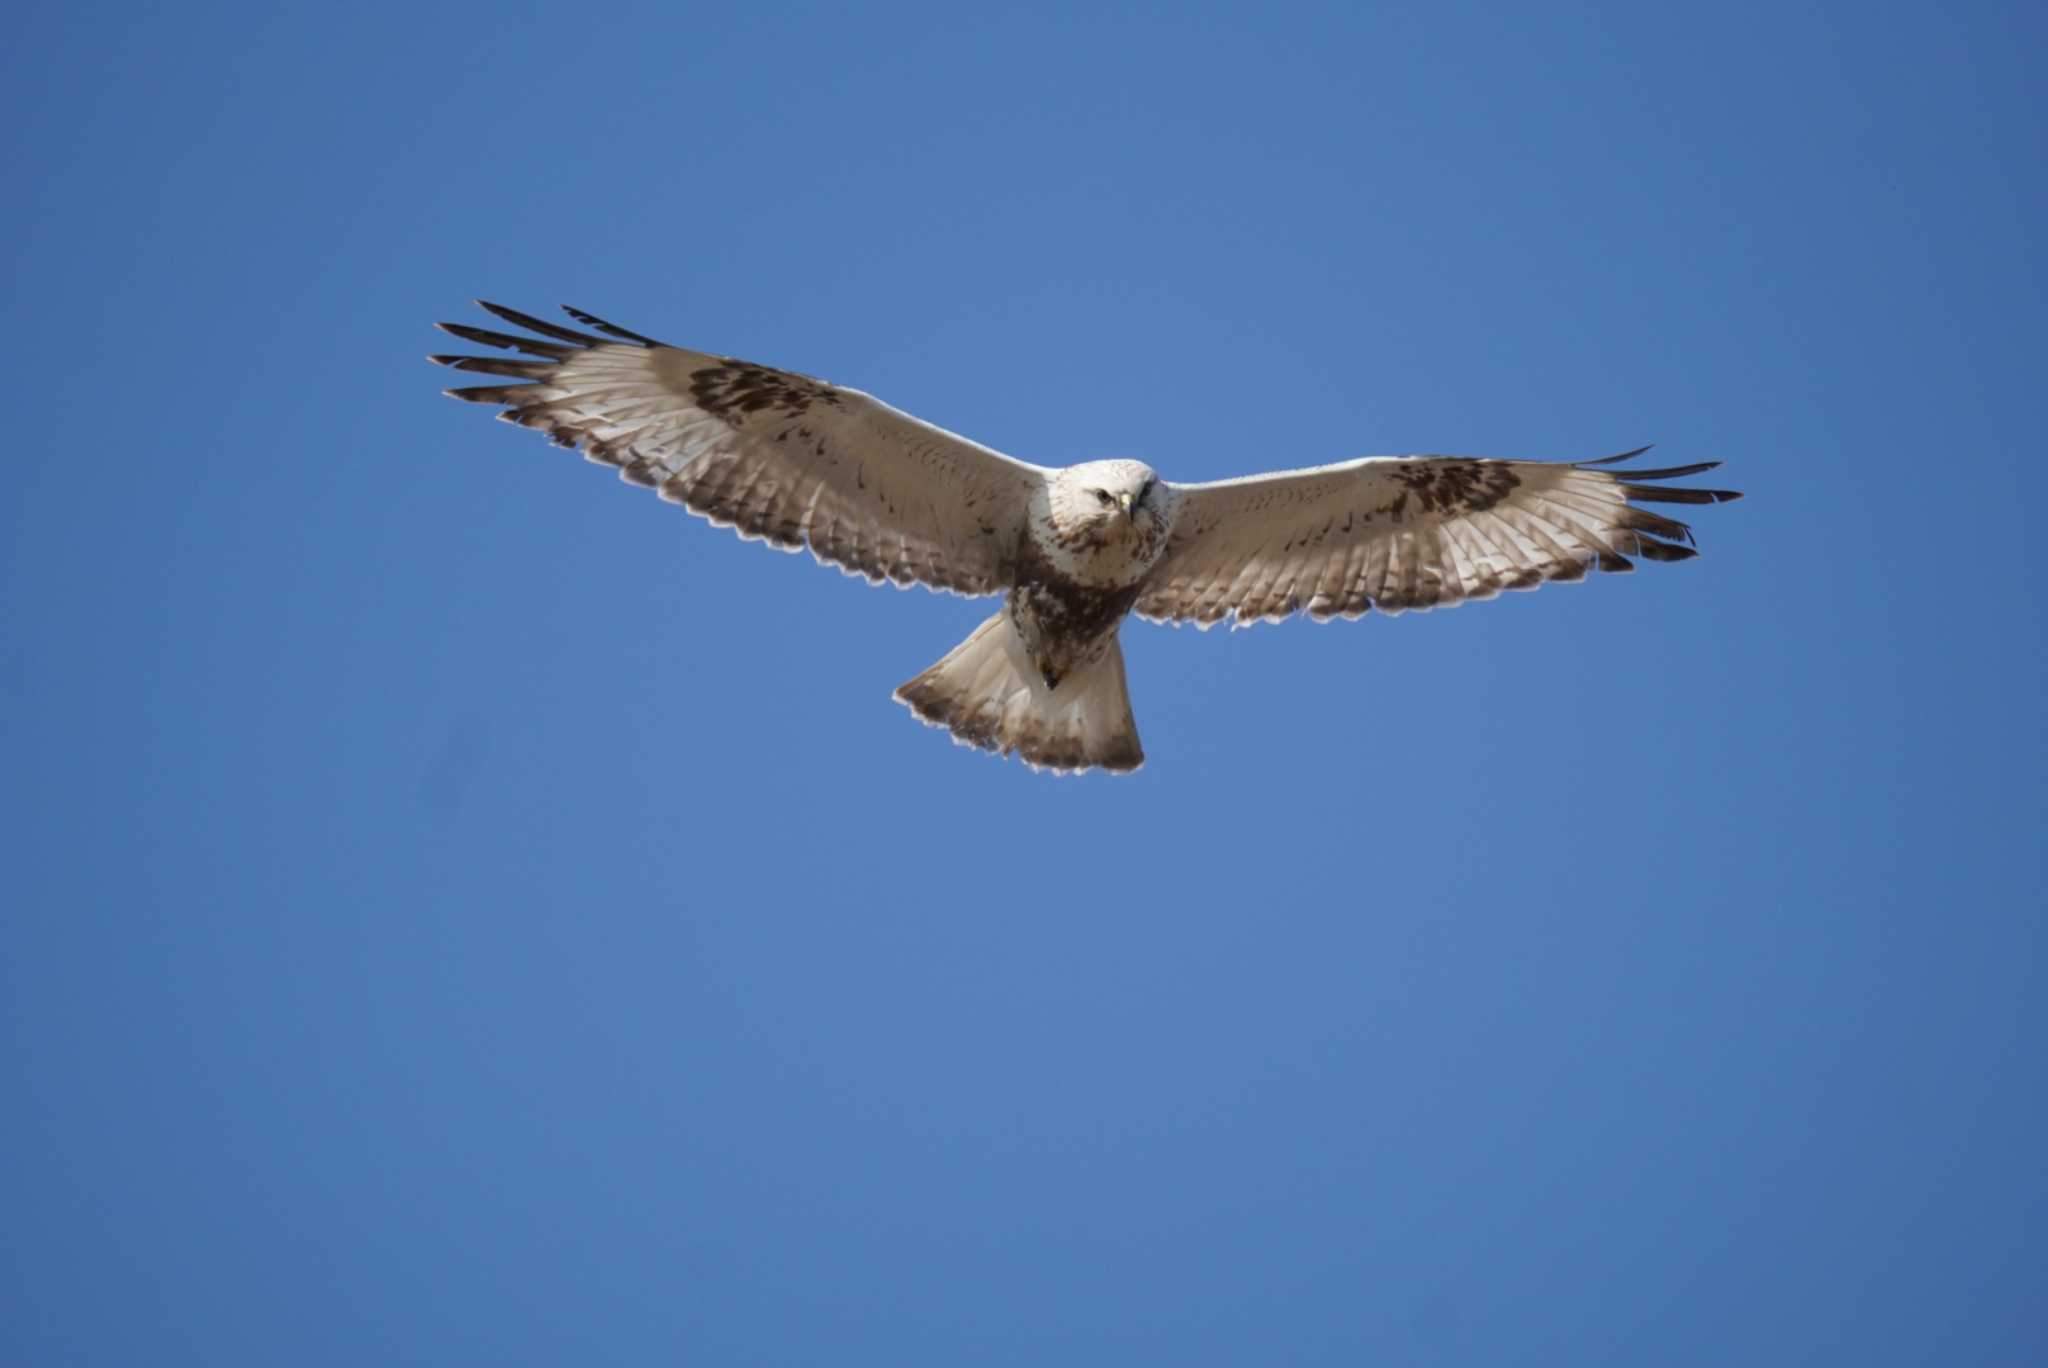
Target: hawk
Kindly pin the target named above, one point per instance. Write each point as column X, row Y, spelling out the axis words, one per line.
column 800, row 463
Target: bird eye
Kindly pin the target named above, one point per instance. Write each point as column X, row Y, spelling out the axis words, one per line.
column 1101, row 496
column 1146, row 491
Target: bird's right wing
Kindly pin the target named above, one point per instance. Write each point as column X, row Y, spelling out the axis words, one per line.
column 1401, row 532
column 775, row 455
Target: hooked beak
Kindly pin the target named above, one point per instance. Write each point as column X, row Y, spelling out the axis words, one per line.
column 1123, row 501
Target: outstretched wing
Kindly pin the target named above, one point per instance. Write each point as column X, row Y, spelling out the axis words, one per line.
column 1395, row 533
column 778, row 456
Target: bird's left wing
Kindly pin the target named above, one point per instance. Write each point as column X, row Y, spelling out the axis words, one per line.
column 775, row 455
column 1395, row 533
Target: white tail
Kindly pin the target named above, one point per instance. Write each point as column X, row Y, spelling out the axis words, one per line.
column 988, row 694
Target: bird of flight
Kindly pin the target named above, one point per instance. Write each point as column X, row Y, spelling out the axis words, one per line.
column 800, row 463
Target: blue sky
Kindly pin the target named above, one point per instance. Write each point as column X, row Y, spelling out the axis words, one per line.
column 461, row 909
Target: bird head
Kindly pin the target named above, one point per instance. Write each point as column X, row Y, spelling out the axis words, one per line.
column 1104, row 498
column 1103, row 521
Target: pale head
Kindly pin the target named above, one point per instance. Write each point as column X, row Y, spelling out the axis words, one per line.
column 1103, row 521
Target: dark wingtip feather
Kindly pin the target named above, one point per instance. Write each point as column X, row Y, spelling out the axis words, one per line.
column 497, row 365
column 1663, row 551
column 1610, row 460
column 506, row 341
column 1668, row 472
column 1656, row 524
column 545, row 329
column 1671, row 494
column 486, row 394
column 591, row 320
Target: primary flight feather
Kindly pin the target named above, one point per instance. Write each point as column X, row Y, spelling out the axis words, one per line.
column 801, row 463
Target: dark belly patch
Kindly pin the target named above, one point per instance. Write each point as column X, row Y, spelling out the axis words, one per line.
column 1063, row 623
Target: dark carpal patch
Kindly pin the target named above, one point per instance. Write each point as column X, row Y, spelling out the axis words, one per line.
column 1454, row 486
column 733, row 390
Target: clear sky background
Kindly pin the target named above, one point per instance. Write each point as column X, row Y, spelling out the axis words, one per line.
column 460, row 909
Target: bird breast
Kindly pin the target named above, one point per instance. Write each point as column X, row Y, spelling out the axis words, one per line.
column 1099, row 553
